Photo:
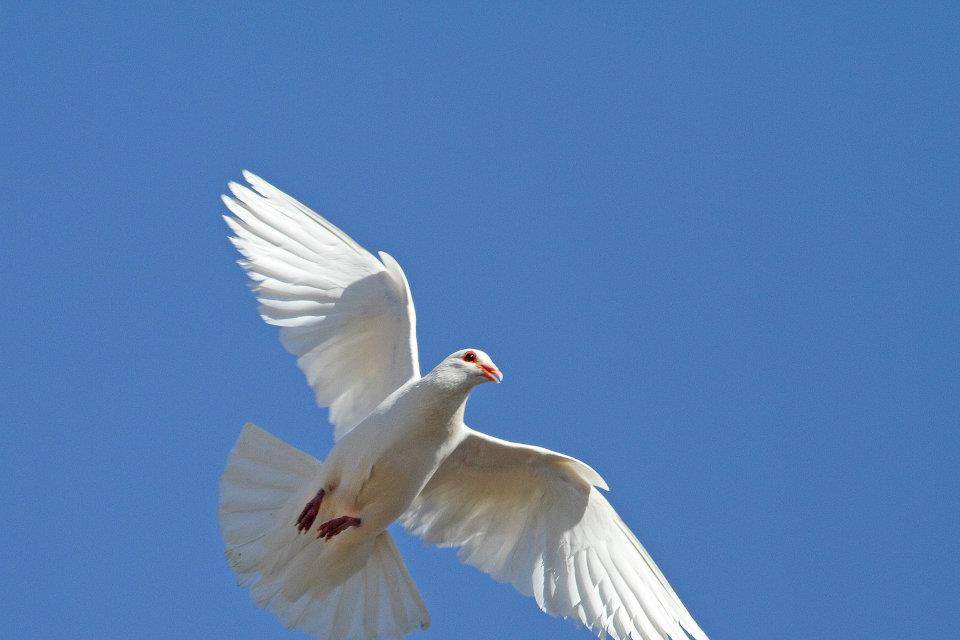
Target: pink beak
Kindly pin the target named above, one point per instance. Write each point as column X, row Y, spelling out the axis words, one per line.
column 491, row 373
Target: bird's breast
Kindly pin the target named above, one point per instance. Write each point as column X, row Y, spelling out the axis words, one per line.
column 401, row 471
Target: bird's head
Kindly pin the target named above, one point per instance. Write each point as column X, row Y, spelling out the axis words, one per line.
column 469, row 367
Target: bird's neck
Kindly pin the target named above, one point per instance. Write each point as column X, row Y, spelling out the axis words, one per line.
column 442, row 395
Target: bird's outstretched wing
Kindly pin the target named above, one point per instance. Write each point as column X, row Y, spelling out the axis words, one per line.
column 532, row 517
column 348, row 317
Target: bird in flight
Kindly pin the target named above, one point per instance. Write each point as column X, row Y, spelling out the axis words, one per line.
column 309, row 538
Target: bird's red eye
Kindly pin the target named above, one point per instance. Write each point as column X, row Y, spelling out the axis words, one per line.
column 470, row 356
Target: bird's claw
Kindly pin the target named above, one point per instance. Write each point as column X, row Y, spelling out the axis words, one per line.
column 309, row 513
column 331, row 528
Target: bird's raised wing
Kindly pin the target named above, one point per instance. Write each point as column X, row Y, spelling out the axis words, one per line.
column 347, row 316
column 532, row 517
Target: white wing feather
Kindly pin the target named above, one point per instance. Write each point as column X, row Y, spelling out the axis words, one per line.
column 348, row 317
column 532, row 517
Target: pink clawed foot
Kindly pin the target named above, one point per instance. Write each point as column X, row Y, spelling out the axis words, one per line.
column 309, row 513
column 331, row 528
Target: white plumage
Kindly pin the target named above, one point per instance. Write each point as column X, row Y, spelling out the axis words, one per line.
column 262, row 490
column 523, row 514
column 347, row 317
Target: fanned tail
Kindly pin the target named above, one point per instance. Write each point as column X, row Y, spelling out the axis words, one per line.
column 339, row 592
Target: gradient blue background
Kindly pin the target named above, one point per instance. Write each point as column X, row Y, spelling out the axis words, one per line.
column 716, row 252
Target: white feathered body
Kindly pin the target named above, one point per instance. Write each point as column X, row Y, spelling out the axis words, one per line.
column 377, row 469
column 374, row 472
column 526, row 515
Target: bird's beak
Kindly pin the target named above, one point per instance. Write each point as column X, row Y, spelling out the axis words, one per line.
column 491, row 373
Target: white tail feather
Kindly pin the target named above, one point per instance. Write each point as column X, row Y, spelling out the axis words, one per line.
column 331, row 591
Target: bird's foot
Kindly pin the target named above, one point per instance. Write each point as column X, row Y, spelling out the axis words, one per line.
column 331, row 528
column 309, row 513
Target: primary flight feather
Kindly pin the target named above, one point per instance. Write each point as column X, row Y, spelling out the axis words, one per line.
column 309, row 538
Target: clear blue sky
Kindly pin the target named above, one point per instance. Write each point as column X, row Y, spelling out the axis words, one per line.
column 735, row 228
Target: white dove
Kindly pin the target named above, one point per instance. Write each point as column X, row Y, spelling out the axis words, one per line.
column 310, row 538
